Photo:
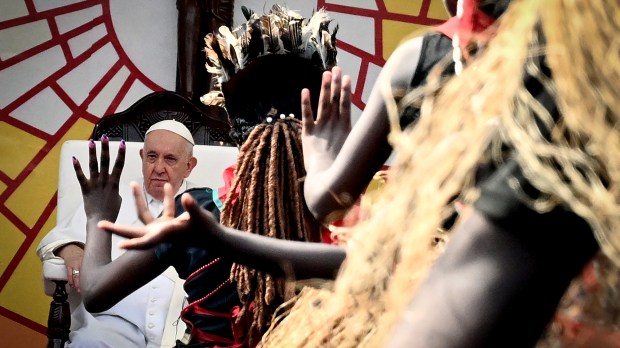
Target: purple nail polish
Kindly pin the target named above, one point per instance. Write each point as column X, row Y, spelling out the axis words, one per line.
column 75, row 160
column 91, row 144
column 122, row 145
column 105, row 138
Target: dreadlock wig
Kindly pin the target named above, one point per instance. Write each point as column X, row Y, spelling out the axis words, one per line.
column 260, row 69
column 488, row 107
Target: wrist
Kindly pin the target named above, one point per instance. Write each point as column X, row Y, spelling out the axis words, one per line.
column 69, row 248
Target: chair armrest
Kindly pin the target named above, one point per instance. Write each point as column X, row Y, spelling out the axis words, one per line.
column 53, row 269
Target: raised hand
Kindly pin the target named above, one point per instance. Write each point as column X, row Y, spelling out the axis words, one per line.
column 100, row 192
column 322, row 139
column 196, row 223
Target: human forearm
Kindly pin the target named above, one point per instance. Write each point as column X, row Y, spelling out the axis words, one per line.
column 300, row 260
column 105, row 281
column 97, row 255
column 329, row 193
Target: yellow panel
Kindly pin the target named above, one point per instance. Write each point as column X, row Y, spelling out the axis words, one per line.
column 17, row 149
column 394, row 32
column 15, row 335
column 406, row 7
column 12, row 238
column 23, row 293
column 31, row 198
column 437, row 10
column 2, row 187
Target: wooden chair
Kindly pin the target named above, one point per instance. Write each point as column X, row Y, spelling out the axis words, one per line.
column 208, row 124
column 209, row 133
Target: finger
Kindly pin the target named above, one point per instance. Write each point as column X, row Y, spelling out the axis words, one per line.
column 155, row 236
column 141, row 208
column 138, row 243
column 122, row 230
column 80, row 175
column 324, row 107
column 76, row 282
column 307, row 115
column 188, row 202
column 70, row 276
column 105, row 158
column 196, row 212
column 168, row 201
column 120, row 161
column 92, row 160
column 335, row 89
column 345, row 102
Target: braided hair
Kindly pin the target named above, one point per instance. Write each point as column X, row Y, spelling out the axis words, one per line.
column 268, row 200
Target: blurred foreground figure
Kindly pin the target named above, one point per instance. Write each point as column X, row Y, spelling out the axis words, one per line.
column 527, row 136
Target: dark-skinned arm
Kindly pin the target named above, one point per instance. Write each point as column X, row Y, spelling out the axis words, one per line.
column 105, row 282
column 340, row 164
column 300, row 260
column 198, row 226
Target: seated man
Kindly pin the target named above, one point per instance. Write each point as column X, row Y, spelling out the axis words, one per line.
column 140, row 319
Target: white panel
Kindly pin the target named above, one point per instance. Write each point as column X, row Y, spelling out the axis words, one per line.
column 356, row 31
column 45, row 111
column 19, row 78
column 366, row 4
column 371, row 78
column 102, row 101
column 81, row 43
column 350, row 65
column 30, row 35
column 136, row 91
column 75, row 19
column 147, row 31
column 12, row 9
column 305, row 8
column 80, row 81
column 44, row 5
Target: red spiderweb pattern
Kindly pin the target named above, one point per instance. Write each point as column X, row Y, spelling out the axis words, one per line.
column 79, row 111
column 380, row 15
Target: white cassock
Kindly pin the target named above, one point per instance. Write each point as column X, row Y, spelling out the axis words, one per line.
column 146, row 318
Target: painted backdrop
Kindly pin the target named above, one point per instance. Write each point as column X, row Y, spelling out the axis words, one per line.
column 64, row 64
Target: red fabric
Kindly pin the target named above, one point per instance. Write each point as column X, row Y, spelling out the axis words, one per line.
column 194, row 308
column 241, row 326
column 228, row 175
column 473, row 22
column 580, row 335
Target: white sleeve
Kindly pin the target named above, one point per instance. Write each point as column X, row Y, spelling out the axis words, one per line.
column 70, row 230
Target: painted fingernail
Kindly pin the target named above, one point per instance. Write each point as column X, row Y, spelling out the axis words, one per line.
column 75, row 160
column 122, row 145
column 104, row 138
column 91, row 144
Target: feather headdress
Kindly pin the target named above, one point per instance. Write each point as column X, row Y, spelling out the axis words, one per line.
column 259, row 66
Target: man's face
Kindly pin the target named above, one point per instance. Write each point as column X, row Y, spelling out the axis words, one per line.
column 166, row 157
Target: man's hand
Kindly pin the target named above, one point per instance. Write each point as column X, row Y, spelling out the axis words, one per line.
column 73, row 255
column 322, row 139
column 100, row 192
